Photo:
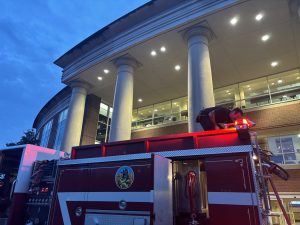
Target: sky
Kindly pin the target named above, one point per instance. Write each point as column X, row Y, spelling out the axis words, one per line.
column 33, row 34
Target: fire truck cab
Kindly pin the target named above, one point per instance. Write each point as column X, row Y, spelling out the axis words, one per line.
column 208, row 178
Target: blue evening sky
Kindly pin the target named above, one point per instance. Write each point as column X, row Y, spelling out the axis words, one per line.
column 33, row 34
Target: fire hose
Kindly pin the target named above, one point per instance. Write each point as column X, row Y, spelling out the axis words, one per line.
column 190, row 186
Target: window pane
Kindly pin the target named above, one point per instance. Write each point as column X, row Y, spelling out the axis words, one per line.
column 285, row 86
column 254, row 93
column 228, row 97
column 162, row 112
column 103, row 109
column 145, row 116
column 285, row 149
column 60, row 129
column 46, row 134
column 179, row 109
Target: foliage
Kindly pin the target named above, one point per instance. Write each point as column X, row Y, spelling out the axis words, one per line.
column 29, row 137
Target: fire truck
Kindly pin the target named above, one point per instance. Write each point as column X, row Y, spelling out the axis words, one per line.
column 217, row 177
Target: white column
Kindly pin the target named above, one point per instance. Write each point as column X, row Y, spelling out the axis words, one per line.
column 200, row 85
column 73, row 127
column 123, row 100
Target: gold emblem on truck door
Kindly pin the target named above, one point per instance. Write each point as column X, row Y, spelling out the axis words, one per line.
column 124, row 177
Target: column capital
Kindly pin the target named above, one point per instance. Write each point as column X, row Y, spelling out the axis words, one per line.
column 197, row 30
column 80, row 84
column 127, row 60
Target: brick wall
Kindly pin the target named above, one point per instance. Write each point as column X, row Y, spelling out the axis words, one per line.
column 90, row 122
column 160, row 131
column 283, row 115
column 292, row 185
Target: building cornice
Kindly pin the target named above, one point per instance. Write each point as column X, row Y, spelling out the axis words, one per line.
column 166, row 21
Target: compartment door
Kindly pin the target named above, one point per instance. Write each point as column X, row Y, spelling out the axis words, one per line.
column 163, row 204
column 231, row 199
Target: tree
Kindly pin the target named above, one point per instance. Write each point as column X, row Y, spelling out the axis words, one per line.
column 29, row 137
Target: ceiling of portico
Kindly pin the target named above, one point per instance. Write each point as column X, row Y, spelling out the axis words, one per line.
column 237, row 53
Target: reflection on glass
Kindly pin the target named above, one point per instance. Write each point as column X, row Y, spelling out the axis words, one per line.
column 254, row 93
column 228, row 97
column 285, row 86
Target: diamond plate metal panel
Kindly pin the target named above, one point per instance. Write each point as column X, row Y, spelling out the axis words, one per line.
column 114, row 219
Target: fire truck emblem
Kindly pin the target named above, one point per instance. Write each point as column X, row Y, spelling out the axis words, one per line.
column 124, row 177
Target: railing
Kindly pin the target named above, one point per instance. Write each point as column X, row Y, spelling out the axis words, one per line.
column 249, row 103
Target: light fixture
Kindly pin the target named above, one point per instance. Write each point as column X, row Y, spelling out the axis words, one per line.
column 155, row 110
column 100, row 78
column 298, row 135
column 234, row 20
column 153, row 53
column 249, row 88
column 265, row 37
column 106, row 71
column 177, row 67
column 273, row 83
column 274, row 64
column 254, row 157
column 279, row 81
column 227, row 91
column 259, row 16
column 140, row 100
column 163, row 49
column 298, row 78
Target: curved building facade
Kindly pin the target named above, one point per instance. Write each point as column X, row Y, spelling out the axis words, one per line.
column 150, row 72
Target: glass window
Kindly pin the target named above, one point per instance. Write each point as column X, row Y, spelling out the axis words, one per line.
column 254, row 93
column 285, row 86
column 179, row 109
column 60, row 129
column 228, row 97
column 46, row 134
column 162, row 113
column 145, row 115
column 104, row 122
column 285, row 149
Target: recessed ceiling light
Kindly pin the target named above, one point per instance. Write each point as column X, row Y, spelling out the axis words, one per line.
column 273, row 83
column 265, row 37
column 298, row 78
column 259, row 16
column 100, row 78
column 153, row 53
column 234, row 20
column 275, row 63
column 279, row 81
column 248, row 86
column 140, row 100
column 106, row 71
column 163, row 49
column 177, row 67
column 227, row 91
column 298, row 135
column 155, row 110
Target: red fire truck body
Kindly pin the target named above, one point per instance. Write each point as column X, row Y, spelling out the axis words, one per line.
column 195, row 178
